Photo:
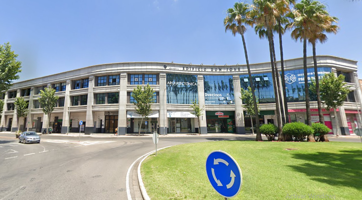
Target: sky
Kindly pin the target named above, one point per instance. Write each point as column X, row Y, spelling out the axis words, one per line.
column 61, row 35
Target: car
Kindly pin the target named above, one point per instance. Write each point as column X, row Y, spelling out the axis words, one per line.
column 29, row 137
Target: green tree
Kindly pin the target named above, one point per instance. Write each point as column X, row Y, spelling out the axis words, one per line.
column 1, row 106
column 47, row 101
column 248, row 104
column 333, row 91
column 143, row 101
column 21, row 107
column 197, row 111
column 235, row 22
column 9, row 67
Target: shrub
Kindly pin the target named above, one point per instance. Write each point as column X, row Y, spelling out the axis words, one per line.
column 297, row 129
column 320, row 128
column 269, row 130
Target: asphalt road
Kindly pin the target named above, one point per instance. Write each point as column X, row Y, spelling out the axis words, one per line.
column 68, row 168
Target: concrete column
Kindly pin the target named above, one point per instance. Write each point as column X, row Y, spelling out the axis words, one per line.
column 239, row 111
column 201, row 92
column 66, row 111
column 343, row 119
column 122, row 104
column 163, row 104
column 29, row 119
column 89, row 125
column 14, row 125
column 5, row 108
column 46, row 119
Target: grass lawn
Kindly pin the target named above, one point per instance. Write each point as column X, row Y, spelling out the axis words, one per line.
column 309, row 171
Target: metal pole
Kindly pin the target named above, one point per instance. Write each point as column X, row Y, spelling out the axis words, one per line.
column 79, row 132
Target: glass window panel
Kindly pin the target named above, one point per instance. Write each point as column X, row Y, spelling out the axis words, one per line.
column 102, row 81
column 151, row 79
column 61, row 102
column 100, row 98
column 85, row 83
column 113, row 97
column 75, row 100
column 136, row 79
column 219, row 89
column 181, row 89
column 83, row 99
column 113, row 80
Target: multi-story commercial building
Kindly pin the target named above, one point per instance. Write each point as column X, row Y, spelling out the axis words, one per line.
column 101, row 97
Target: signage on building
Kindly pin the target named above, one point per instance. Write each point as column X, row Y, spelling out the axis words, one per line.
column 176, row 114
column 223, row 116
column 219, row 113
column 133, row 114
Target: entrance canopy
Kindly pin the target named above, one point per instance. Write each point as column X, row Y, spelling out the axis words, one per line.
column 133, row 114
column 177, row 114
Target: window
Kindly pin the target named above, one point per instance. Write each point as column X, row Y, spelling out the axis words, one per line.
column 350, row 97
column 38, row 89
column 56, row 87
column 77, row 84
column 10, row 106
column 25, row 92
column 102, row 81
column 63, row 86
column 61, row 101
column 150, row 79
column 347, row 76
column 136, row 79
column 12, row 94
column 85, row 83
column 113, row 80
column 36, row 104
column 83, row 99
column 181, row 89
column 132, row 100
column 113, row 98
column 75, row 100
column 100, row 98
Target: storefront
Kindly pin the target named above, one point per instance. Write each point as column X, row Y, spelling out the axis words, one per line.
column 220, row 121
column 181, row 122
column 136, row 122
column 352, row 121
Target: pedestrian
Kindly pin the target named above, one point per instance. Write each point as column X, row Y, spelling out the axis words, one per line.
column 116, row 131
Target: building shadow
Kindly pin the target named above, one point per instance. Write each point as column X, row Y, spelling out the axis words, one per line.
column 5, row 141
column 342, row 169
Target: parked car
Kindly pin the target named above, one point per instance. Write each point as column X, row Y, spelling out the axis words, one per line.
column 29, row 137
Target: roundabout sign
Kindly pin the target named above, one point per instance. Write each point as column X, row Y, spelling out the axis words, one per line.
column 224, row 173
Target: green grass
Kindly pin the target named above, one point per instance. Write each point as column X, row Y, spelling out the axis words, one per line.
column 311, row 171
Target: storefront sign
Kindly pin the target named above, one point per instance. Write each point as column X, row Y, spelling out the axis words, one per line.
column 219, row 113
column 133, row 114
column 176, row 114
column 223, row 116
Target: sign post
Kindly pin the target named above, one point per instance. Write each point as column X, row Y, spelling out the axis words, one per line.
column 80, row 127
column 155, row 139
column 224, row 173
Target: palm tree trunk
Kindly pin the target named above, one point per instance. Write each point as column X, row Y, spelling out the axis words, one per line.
column 319, row 102
column 258, row 135
column 252, row 125
column 277, row 109
column 306, row 90
column 283, row 75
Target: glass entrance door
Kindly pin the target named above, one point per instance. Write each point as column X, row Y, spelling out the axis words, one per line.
column 111, row 123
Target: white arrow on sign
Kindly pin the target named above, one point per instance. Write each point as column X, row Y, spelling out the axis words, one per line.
column 219, row 160
column 232, row 175
column 213, row 175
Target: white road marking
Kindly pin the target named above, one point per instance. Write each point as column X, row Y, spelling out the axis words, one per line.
column 11, row 157
column 20, row 188
column 82, row 143
column 43, row 151
column 29, row 154
column 11, row 151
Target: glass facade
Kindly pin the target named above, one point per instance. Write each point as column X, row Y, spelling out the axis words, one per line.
column 181, row 89
column 219, row 89
column 294, row 83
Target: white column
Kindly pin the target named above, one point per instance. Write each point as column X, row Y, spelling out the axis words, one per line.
column 14, row 125
column 89, row 125
column 358, row 98
column 239, row 111
column 46, row 119
column 122, row 104
column 201, row 92
column 29, row 119
column 66, row 111
column 163, row 104
column 5, row 108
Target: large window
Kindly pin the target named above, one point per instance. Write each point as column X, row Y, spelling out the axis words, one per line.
column 56, row 87
column 77, row 84
column 25, row 92
column 101, row 80
column 63, row 86
column 113, row 80
column 83, row 99
column 36, row 104
column 75, row 100
column 155, row 97
column 113, row 97
column 181, row 89
column 100, row 98
column 150, row 79
column 136, row 79
column 263, row 84
column 10, row 106
column 219, row 89
column 61, row 101
column 12, row 94
column 85, row 83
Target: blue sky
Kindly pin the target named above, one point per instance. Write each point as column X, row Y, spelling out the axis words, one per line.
column 57, row 36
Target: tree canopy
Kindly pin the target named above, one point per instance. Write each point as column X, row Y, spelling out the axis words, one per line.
column 9, row 67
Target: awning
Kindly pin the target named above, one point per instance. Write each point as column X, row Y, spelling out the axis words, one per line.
column 177, row 114
column 133, row 114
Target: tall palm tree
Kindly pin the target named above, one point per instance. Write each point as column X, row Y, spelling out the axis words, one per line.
column 263, row 16
column 235, row 22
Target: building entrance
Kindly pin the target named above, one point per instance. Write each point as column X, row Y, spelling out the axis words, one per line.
column 111, row 123
column 220, row 122
column 180, row 125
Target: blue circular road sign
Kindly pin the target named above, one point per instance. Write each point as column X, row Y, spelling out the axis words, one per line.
column 224, row 173
column 80, row 123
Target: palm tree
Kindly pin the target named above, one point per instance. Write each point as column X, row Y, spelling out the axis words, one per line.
column 263, row 16
column 235, row 22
